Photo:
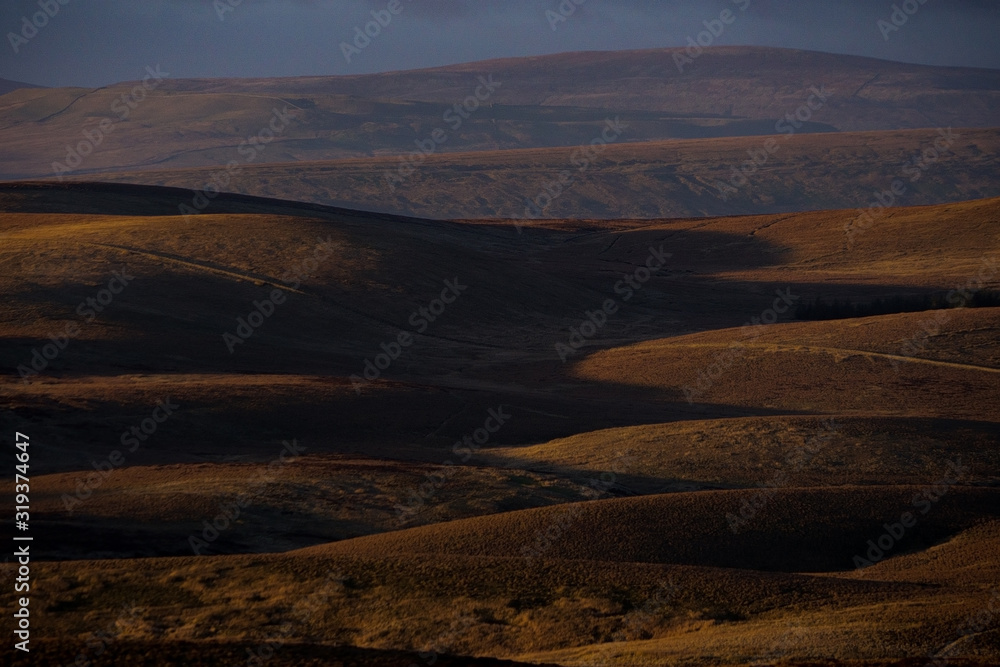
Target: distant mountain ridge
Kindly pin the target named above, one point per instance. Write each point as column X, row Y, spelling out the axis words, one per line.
column 7, row 86
column 538, row 102
column 714, row 83
column 651, row 179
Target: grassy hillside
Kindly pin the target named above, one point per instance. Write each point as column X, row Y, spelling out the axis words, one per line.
column 650, row 484
column 648, row 179
column 768, row 452
column 553, row 101
column 748, row 82
column 799, row 530
column 7, row 86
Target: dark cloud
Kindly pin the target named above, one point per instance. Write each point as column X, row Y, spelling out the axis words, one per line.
column 96, row 42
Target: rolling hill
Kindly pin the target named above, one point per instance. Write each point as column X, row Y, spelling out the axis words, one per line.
column 831, row 528
column 7, row 86
column 651, row 179
column 595, row 502
column 726, row 82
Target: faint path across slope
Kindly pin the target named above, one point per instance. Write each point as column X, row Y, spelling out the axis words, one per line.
column 770, row 347
column 229, row 272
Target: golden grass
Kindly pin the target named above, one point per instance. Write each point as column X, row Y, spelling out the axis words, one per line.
column 768, row 451
column 595, row 586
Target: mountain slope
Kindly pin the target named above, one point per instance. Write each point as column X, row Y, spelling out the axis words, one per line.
column 649, row 179
column 563, row 100
column 7, row 86
column 577, row 506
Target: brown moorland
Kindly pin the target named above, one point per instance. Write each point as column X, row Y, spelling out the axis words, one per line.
column 648, row 579
column 648, row 179
column 558, row 100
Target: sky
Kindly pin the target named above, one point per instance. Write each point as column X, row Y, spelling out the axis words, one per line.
column 93, row 43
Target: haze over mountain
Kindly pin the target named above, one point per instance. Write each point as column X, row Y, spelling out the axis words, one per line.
column 8, row 86
column 113, row 40
column 402, row 122
column 654, row 179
